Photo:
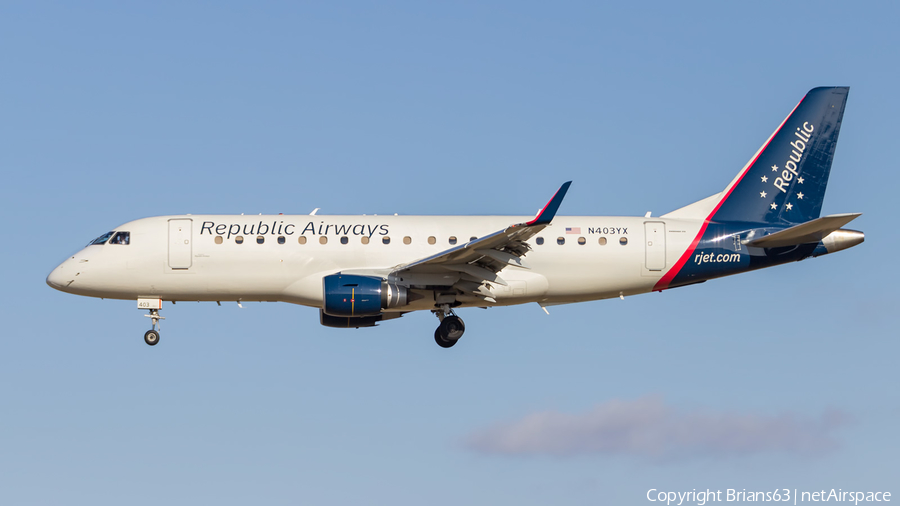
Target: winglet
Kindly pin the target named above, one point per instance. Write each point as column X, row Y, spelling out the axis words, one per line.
column 549, row 211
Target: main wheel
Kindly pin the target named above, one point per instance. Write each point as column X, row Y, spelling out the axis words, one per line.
column 440, row 340
column 452, row 328
column 151, row 337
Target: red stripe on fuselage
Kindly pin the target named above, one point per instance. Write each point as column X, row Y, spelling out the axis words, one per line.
column 667, row 278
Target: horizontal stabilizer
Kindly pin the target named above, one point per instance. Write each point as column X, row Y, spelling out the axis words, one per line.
column 804, row 233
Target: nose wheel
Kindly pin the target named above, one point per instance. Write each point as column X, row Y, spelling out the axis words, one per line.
column 451, row 328
column 151, row 337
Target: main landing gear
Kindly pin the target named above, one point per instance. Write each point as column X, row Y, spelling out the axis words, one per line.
column 451, row 328
column 151, row 337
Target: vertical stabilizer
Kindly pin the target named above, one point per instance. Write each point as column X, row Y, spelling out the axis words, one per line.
column 785, row 181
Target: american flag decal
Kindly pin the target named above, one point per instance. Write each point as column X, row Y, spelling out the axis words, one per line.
column 573, row 230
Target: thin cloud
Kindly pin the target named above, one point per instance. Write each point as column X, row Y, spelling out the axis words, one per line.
column 647, row 427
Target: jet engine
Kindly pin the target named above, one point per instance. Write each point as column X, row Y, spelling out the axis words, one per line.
column 353, row 296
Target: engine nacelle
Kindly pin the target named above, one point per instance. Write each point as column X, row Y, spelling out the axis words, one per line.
column 346, row 322
column 353, row 296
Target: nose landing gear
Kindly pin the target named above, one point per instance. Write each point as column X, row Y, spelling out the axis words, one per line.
column 151, row 337
column 451, row 328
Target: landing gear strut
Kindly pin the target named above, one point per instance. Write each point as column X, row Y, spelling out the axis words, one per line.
column 451, row 328
column 151, row 337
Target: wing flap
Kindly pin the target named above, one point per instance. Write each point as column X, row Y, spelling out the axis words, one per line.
column 504, row 258
column 477, row 272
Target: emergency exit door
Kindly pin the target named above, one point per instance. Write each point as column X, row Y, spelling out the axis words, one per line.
column 655, row 245
column 180, row 244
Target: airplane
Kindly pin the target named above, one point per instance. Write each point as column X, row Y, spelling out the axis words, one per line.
column 362, row 270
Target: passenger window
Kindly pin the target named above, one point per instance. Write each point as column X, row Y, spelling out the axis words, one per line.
column 472, row 238
column 623, row 241
column 386, row 239
column 102, row 239
column 364, row 240
column 323, row 239
column 239, row 239
column 602, row 241
column 344, row 240
column 452, row 239
column 539, row 241
column 302, row 239
column 560, row 240
column 582, row 241
column 432, row 240
column 219, row 239
column 121, row 238
column 407, row 240
column 280, row 239
column 260, row 239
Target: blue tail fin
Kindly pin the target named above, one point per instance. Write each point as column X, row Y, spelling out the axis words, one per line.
column 785, row 182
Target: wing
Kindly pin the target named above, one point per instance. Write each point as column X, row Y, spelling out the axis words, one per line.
column 468, row 271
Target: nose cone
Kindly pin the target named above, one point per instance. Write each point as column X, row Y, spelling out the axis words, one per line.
column 62, row 276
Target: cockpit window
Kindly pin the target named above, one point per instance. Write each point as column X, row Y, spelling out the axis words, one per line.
column 102, row 239
column 121, row 238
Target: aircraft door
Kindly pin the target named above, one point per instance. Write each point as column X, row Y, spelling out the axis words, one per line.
column 180, row 243
column 655, row 245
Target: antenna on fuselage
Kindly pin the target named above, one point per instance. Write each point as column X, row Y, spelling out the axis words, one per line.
column 314, row 211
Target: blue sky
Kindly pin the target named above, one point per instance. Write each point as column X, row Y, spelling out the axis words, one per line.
column 120, row 110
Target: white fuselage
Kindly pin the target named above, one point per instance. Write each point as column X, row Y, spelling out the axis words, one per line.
column 284, row 258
